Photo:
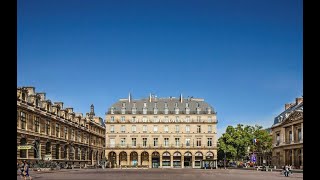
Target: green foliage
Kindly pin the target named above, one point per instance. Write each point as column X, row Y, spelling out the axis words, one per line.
column 237, row 141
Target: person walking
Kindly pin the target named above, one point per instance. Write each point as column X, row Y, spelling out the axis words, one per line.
column 22, row 173
column 26, row 170
column 286, row 171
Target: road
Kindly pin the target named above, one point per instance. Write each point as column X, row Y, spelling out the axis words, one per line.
column 162, row 174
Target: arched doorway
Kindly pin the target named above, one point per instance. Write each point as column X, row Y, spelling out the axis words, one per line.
column 198, row 158
column 166, row 161
column 176, row 159
column 144, row 158
column 23, row 152
column 155, row 157
column 36, row 150
column 209, row 162
column 112, row 159
column 134, row 158
column 123, row 158
column 57, row 151
column 187, row 160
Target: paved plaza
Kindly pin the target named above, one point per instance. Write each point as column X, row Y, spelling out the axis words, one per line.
column 165, row 174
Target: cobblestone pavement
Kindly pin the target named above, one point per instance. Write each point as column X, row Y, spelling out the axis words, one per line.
column 165, row 174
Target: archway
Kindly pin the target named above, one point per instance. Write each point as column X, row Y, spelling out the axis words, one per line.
column 209, row 162
column 134, row 158
column 144, row 158
column 123, row 158
column 23, row 152
column 176, row 159
column 155, row 157
column 198, row 158
column 187, row 160
column 112, row 157
column 166, row 161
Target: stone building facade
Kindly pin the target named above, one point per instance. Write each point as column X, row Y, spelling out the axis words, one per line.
column 287, row 133
column 48, row 131
column 161, row 133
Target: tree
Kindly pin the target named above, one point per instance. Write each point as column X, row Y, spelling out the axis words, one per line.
column 236, row 142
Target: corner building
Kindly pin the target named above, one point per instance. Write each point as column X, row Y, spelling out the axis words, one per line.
column 161, row 133
column 48, row 131
column 287, row 133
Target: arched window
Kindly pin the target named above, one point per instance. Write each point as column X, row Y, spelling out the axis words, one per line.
column 23, row 152
column 48, row 148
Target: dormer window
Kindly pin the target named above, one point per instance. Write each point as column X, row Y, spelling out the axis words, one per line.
column 134, row 104
column 48, row 107
column 155, row 105
column 187, row 111
column 37, row 102
column 23, row 96
column 123, row 105
column 112, row 110
column 144, row 104
column 134, row 110
column 144, row 110
column 176, row 105
column 155, row 110
column 176, row 111
column 166, row 105
column 198, row 105
column 209, row 110
column 187, row 105
column 198, row 110
column 123, row 110
column 166, row 111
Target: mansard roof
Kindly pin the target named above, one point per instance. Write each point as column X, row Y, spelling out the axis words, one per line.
column 159, row 103
column 285, row 114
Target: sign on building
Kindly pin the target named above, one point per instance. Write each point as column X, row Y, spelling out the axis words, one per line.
column 24, row 147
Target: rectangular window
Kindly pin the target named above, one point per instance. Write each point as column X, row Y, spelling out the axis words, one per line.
column 123, row 128
column 85, row 138
column 112, row 129
column 198, row 118
column 176, row 111
column 72, row 134
column 144, row 110
column 209, row 144
column 155, row 128
column 133, row 128
column 278, row 139
column 198, row 142
column 23, row 120
column 166, row 128
column 290, row 136
column 144, row 119
column 299, row 135
column 187, row 119
column 144, row 128
column 123, row 110
column 112, row 143
column 47, row 127
column 57, row 130
column 65, row 133
column 155, row 119
column 144, row 142
column 177, row 140
column 166, row 142
column 198, row 128
column 166, row 119
column 155, row 142
column 155, row 111
column 209, row 119
column 123, row 118
column 187, row 111
column 187, row 129
column 112, row 119
column 134, row 142
column 123, row 142
column 177, row 128
column 166, row 111
column 36, row 124
column 209, row 129
column 79, row 136
column 188, row 142
column 134, row 111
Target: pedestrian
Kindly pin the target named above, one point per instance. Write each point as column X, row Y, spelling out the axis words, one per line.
column 290, row 169
column 22, row 173
column 26, row 170
column 286, row 171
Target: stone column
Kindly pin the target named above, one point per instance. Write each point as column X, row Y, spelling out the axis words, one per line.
column 293, row 152
column 292, row 138
column 118, row 160
column 182, row 161
column 302, row 157
column 193, row 160
column 171, row 161
column 139, row 160
column 160, row 163
column 150, row 161
column 301, row 132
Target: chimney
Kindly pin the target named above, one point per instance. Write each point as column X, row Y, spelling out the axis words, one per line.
column 150, row 97
column 180, row 98
column 287, row 106
column 299, row 100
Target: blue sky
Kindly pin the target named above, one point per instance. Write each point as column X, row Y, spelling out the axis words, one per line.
column 243, row 57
